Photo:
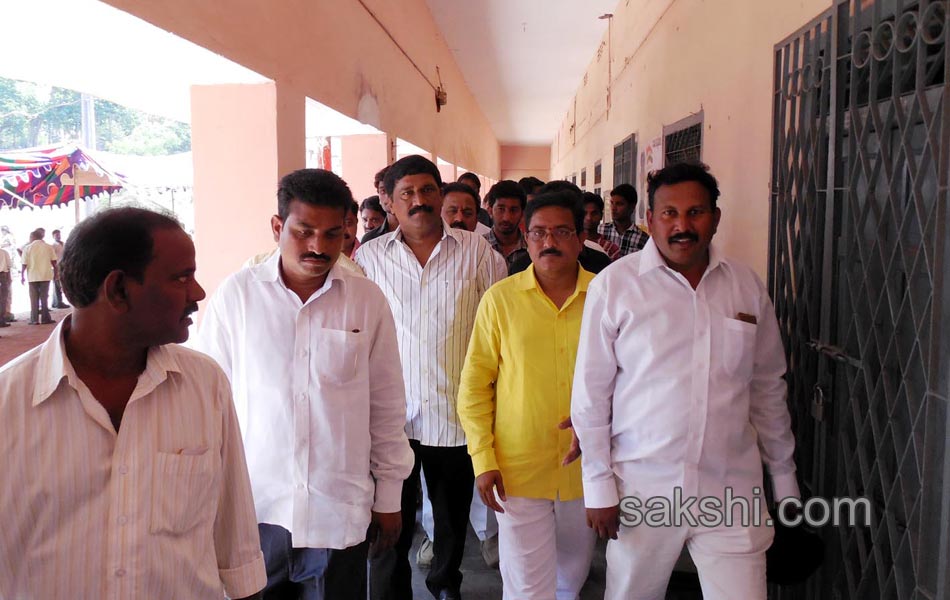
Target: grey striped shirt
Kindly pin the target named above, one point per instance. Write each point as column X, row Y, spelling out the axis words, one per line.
column 434, row 307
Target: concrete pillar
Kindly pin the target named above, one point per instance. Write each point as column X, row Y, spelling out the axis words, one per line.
column 363, row 156
column 243, row 138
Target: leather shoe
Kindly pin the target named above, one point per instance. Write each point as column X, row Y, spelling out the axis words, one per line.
column 449, row 595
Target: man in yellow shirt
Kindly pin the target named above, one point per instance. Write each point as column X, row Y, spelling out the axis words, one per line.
column 514, row 404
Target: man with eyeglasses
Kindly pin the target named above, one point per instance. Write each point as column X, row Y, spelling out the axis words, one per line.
column 516, row 412
column 679, row 390
column 433, row 276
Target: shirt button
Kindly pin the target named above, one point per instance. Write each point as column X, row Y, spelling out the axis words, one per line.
column 120, row 572
column 123, row 520
column 123, row 470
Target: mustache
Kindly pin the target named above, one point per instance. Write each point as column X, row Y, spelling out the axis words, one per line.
column 551, row 252
column 193, row 308
column 458, row 225
column 686, row 236
column 421, row 208
column 315, row 256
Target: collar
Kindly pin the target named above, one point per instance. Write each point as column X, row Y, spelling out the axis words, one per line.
column 53, row 366
column 447, row 232
column 650, row 257
column 493, row 240
column 269, row 271
column 526, row 280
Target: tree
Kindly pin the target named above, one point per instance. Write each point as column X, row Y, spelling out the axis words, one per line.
column 29, row 117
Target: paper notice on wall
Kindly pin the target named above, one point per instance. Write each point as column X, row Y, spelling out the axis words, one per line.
column 651, row 159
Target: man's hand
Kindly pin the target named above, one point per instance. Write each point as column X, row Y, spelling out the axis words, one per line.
column 486, row 484
column 384, row 530
column 575, row 450
column 604, row 521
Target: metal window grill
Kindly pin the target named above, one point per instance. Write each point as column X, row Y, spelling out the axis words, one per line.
column 684, row 145
column 858, row 254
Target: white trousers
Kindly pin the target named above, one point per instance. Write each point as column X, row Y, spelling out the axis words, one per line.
column 480, row 516
column 730, row 561
column 544, row 547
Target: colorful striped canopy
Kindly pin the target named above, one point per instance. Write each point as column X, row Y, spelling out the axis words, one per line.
column 52, row 176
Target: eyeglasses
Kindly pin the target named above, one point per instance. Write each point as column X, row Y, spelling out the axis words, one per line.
column 560, row 234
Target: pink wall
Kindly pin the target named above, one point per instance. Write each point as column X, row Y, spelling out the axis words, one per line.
column 525, row 161
column 234, row 140
column 337, row 54
column 447, row 172
column 363, row 156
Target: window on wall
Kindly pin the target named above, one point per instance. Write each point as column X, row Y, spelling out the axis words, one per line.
column 597, row 173
column 583, row 178
column 625, row 161
column 574, row 178
column 683, row 140
column 597, row 191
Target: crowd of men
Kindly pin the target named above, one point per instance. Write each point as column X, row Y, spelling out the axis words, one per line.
column 38, row 260
column 526, row 365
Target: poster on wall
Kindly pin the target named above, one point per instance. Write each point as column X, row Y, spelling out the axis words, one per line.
column 651, row 159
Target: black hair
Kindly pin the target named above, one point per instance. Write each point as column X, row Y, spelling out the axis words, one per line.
column 529, row 184
column 119, row 239
column 315, row 187
column 469, row 175
column 592, row 198
column 354, row 208
column 455, row 186
column 560, row 185
column 506, row 188
column 627, row 192
column 380, row 177
column 563, row 199
column 410, row 165
column 372, row 203
column 680, row 173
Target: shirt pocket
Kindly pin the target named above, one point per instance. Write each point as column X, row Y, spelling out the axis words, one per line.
column 182, row 486
column 738, row 348
column 336, row 355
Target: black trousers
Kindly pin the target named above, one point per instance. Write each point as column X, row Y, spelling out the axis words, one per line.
column 311, row 573
column 449, row 478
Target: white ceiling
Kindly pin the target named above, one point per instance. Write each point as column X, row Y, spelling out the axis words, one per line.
column 92, row 47
column 523, row 59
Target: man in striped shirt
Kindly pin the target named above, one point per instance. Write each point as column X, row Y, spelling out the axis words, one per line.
column 622, row 230
column 123, row 473
column 433, row 276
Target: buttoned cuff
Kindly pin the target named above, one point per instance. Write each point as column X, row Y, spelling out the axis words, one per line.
column 388, row 496
column 784, row 486
column 484, row 461
column 601, row 494
column 246, row 580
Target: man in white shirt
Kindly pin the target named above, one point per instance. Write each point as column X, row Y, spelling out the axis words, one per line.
column 123, row 473
column 678, row 391
column 433, row 276
column 311, row 352
column 57, row 286
column 39, row 268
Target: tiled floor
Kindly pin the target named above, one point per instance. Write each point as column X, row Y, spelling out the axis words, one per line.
column 20, row 336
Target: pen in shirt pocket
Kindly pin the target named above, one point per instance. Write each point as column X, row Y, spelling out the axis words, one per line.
column 192, row 451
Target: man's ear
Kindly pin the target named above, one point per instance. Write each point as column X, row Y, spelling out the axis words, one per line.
column 115, row 290
column 276, row 226
column 650, row 220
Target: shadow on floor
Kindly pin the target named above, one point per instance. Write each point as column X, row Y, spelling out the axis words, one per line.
column 481, row 583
